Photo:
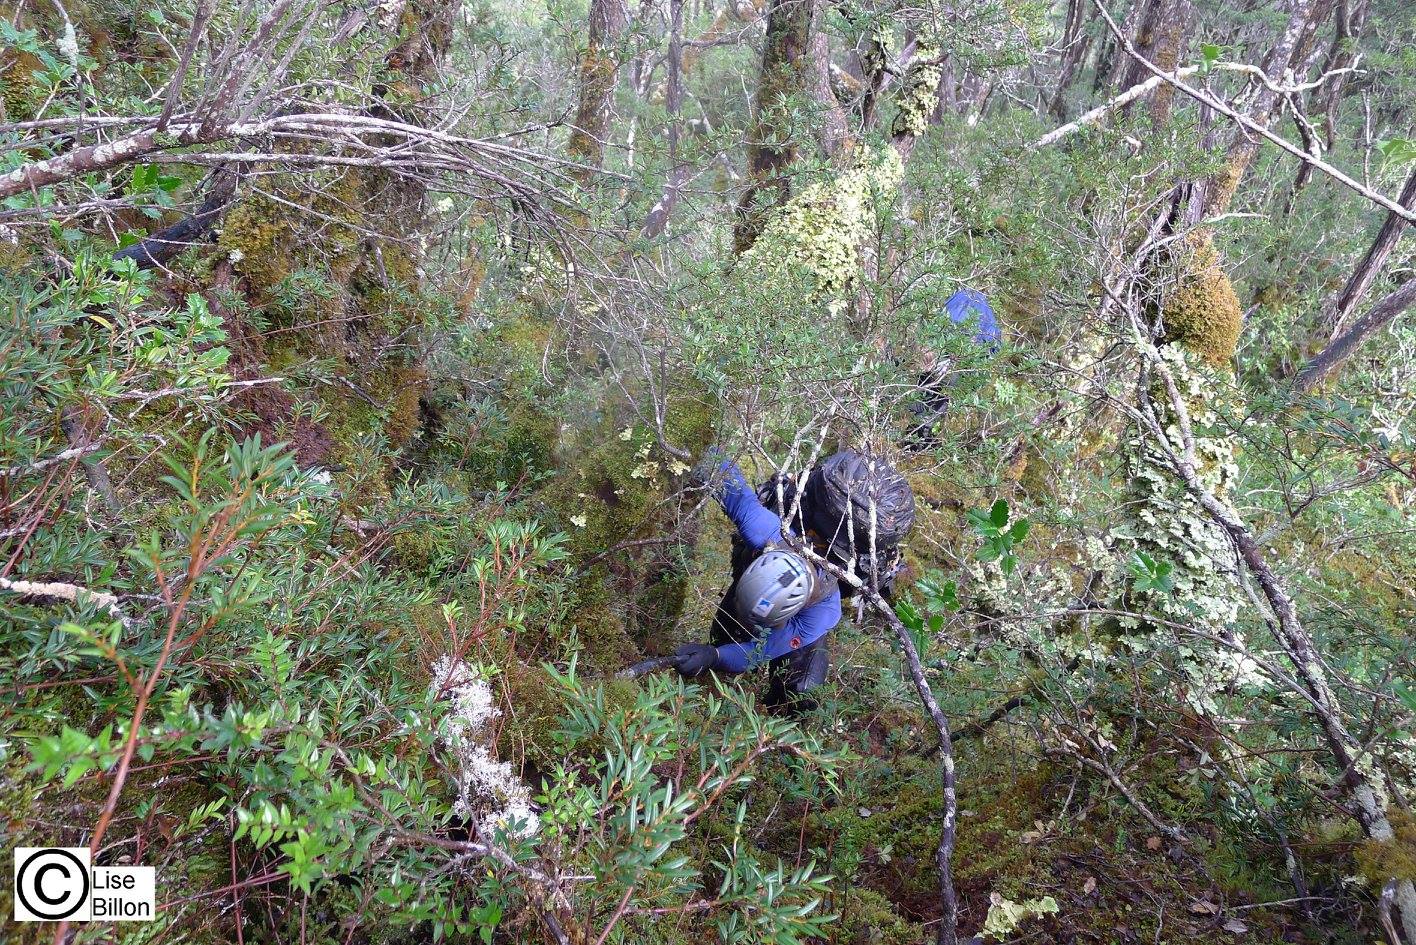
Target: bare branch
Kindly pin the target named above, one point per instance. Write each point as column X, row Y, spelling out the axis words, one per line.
column 69, row 593
column 1378, row 317
column 55, row 460
column 1252, row 127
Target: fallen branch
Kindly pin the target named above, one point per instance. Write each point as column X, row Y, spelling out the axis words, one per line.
column 980, row 727
column 948, row 898
column 69, row 593
column 55, row 460
column 519, row 170
column 1149, row 85
column 1105, row 108
column 1105, row 770
column 162, row 246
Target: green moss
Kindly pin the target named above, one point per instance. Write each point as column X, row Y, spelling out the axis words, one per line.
column 600, row 622
column 514, row 449
column 940, row 504
column 1203, row 314
column 618, row 488
column 868, row 918
column 1382, row 860
column 535, row 705
column 536, row 708
column 17, row 102
column 258, row 238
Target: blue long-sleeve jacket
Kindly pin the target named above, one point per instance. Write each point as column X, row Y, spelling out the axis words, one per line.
column 759, row 526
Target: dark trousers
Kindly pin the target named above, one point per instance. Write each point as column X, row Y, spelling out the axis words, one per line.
column 791, row 676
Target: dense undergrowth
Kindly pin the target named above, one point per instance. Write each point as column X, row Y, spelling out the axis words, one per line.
column 368, row 496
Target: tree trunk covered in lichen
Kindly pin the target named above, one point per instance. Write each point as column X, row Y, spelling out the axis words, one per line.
column 771, row 148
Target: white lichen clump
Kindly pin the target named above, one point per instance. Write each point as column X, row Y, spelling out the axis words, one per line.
column 489, row 792
column 919, row 95
column 1169, row 524
column 819, row 232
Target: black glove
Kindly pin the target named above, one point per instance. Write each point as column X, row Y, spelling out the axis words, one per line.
column 707, row 467
column 695, row 659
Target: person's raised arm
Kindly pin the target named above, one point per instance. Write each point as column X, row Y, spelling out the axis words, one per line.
column 757, row 524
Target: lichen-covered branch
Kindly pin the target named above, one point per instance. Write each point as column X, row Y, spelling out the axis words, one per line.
column 68, row 593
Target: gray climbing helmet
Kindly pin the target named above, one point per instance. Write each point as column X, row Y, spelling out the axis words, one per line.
column 775, row 587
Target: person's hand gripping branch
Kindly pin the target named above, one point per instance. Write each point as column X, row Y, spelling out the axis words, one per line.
column 695, row 659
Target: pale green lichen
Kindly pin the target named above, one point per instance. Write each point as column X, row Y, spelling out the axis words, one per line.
column 1005, row 915
column 819, row 232
column 1167, row 523
column 919, row 94
column 879, row 48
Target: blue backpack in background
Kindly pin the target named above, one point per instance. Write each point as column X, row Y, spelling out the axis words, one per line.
column 968, row 303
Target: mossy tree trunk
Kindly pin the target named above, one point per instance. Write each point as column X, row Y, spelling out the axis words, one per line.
column 1162, row 32
column 1212, row 195
column 1076, row 43
column 369, row 223
column 1204, row 314
column 786, row 74
column 599, row 68
column 1334, row 316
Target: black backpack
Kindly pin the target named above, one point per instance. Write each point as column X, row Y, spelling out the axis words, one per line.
column 836, row 502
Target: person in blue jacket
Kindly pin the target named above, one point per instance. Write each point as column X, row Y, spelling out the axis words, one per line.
column 779, row 607
column 964, row 308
